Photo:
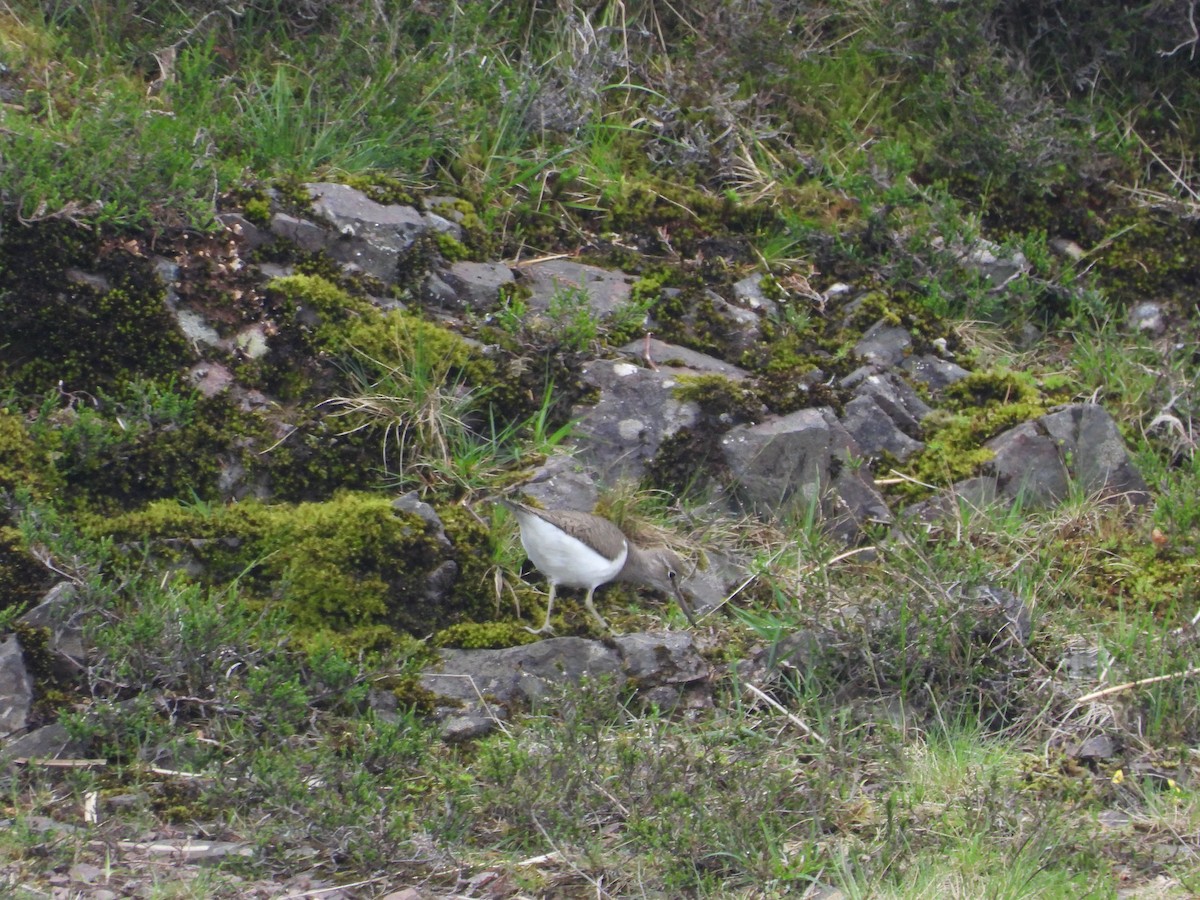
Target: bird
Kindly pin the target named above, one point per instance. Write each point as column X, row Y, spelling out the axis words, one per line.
column 580, row 549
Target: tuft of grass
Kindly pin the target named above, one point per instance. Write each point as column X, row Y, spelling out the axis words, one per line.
column 436, row 429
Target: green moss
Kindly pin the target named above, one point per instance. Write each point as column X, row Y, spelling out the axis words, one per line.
column 23, row 579
column 689, row 216
column 144, row 442
column 348, row 564
column 1150, row 254
column 473, row 550
column 23, row 463
column 649, row 288
column 691, row 317
column 686, row 461
column 258, row 211
column 951, row 453
column 772, row 289
column 977, row 408
column 319, row 457
column 485, row 635
column 1000, row 386
column 50, row 695
column 293, row 195
column 451, row 249
column 411, row 694
column 1119, row 569
column 416, row 261
column 303, row 297
column 719, row 396
column 870, row 308
column 477, row 237
column 415, row 346
column 81, row 312
column 383, row 189
column 311, row 313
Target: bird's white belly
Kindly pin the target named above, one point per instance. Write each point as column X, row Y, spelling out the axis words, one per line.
column 567, row 560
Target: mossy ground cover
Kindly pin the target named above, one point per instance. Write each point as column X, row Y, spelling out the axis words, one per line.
column 897, row 744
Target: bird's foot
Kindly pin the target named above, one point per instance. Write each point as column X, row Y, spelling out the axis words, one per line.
column 545, row 629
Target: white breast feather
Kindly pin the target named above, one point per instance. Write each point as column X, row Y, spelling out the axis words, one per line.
column 564, row 559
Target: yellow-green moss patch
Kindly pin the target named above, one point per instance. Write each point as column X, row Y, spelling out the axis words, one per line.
column 348, row 563
column 483, row 635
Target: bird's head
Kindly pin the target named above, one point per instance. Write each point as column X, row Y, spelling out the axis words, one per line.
column 665, row 571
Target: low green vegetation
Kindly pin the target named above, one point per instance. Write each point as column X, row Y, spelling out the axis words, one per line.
column 258, row 602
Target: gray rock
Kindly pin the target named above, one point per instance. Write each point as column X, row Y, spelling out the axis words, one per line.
column 986, row 259
column 560, row 483
column 739, row 329
column 518, row 675
column 781, row 464
column 656, row 659
column 604, row 291
column 188, row 850
column 1081, row 661
column 245, row 232
column 1067, row 247
column 1097, row 747
column 712, row 579
column 977, row 492
column 874, row 430
column 1121, row 819
column 854, row 505
column 796, row 652
column 94, row 280
column 1147, row 317
column 885, row 413
column 621, row 433
column 16, row 687
column 1009, row 617
column 936, row 373
column 437, row 293
column 884, row 345
column 195, row 329
column 369, row 235
column 210, row 378
column 167, row 270
column 1038, row 460
column 467, row 727
column 479, row 686
column 412, row 503
column 1028, row 465
column 86, row 872
column 784, row 466
column 58, row 613
column 251, row 342
column 465, row 286
column 896, row 398
column 306, row 235
column 661, row 353
column 749, row 293
column 1094, row 452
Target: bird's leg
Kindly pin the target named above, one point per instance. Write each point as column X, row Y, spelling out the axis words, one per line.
column 546, row 629
column 595, row 615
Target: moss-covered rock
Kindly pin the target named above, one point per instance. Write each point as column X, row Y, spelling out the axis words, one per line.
column 484, row 636
column 23, row 579
column 81, row 312
column 24, row 464
column 349, row 563
column 977, row 408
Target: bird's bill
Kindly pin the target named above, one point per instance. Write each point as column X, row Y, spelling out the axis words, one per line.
column 685, row 604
